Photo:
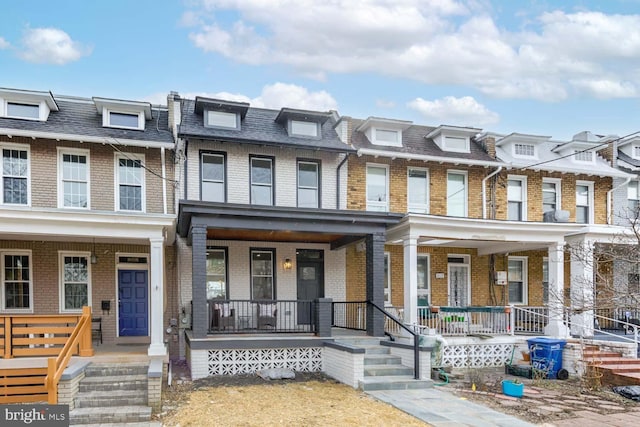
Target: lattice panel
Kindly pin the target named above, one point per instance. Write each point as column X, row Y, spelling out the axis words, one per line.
column 233, row 362
column 476, row 355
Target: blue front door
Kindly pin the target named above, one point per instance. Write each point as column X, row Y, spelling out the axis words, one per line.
column 133, row 318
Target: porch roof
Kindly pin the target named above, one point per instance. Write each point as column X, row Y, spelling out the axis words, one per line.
column 229, row 221
column 485, row 235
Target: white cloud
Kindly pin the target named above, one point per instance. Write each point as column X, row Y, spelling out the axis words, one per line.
column 51, row 46
column 274, row 96
column 4, row 44
column 465, row 111
column 555, row 56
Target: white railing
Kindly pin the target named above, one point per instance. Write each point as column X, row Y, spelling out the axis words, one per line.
column 529, row 320
column 616, row 324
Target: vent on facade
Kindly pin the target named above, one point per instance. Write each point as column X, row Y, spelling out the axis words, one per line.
column 556, row 216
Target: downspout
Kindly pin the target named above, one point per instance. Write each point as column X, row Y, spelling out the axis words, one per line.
column 484, row 191
column 164, row 181
column 609, row 200
column 338, row 180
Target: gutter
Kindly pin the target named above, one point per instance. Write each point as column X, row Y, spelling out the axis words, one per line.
column 609, row 200
column 338, row 180
column 422, row 157
column 484, row 191
column 164, row 181
column 85, row 138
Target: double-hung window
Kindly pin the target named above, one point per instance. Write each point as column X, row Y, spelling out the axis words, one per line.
column 633, row 199
column 584, row 202
column 23, row 111
column 130, row 182
column 517, row 276
column 75, row 281
column 262, row 181
column 17, row 287
column 308, row 184
column 418, row 190
column 73, row 190
column 213, row 175
column 217, row 273
column 517, row 198
column 424, row 280
column 545, row 280
column 263, row 285
column 378, row 188
column 15, row 176
column 550, row 194
column 387, row 278
column 456, row 193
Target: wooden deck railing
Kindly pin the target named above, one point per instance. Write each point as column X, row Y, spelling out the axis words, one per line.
column 80, row 339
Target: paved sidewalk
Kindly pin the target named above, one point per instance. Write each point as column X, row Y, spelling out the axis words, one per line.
column 443, row 409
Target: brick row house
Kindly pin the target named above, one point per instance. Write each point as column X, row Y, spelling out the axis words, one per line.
column 87, row 212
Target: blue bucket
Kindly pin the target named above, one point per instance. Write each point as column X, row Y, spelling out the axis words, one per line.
column 510, row 388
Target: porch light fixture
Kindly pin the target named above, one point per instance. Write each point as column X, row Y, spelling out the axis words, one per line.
column 287, row 264
column 94, row 257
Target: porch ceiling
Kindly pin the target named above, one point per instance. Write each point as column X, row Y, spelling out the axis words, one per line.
column 486, row 236
column 271, row 236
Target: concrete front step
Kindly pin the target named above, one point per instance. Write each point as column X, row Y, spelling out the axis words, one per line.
column 122, row 414
column 96, row 399
column 386, row 370
column 375, row 349
column 114, row 383
column 395, row 382
column 106, row 370
column 381, row 359
column 358, row 342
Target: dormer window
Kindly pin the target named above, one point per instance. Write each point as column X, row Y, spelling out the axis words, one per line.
column 454, row 143
column 302, row 128
column 121, row 114
column 524, row 150
column 583, row 156
column 222, row 119
column 387, row 137
column 23, row 111
column 636, row 152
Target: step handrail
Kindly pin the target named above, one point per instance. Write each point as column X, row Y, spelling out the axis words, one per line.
column 625, row 325
column 416, row 338
column 81, row 336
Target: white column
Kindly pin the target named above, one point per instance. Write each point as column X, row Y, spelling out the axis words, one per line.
column 556, row 327
column 582, row 288
column 410, row 280
column 156, row 318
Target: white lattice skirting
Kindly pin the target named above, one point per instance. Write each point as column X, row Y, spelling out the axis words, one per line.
column 476, row 355
column 233, row 362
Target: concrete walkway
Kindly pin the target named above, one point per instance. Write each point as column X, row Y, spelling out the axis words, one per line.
column 443, row 409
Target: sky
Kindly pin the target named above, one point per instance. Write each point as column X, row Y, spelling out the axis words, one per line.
column 552, row 68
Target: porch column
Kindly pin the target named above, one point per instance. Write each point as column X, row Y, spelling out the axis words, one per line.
column 410, row 280
column 556, row 327
column 199, row 281
column 582, row 289
column 157, row 346
column 375, row 283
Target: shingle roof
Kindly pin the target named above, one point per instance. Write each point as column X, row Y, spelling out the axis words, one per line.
column 414, row 142
column 628, row 159
column 79, row 116
column 258, row 127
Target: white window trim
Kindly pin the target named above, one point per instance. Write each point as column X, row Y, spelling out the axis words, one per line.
column 106, row 119
column 466, row 190
column 376, row 141
column 385, row 204
column 522, row 156
column 2, row 290
column 575, row 159
column 61, row 255
column 416, row 207
column 523, row 181
column 22, row 147
column 124, row 266
column 590, row 185
column 304, row 135
column 558, row 184
column 74, row 151
column 635, row 151
column 467, row 144
column 428, row 276
column 387, row 301
column 16, row 101
column 207, row 122
column 116, row 178
column 545, row 260
column 525, row 278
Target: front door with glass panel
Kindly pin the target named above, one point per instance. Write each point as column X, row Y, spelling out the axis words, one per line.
column 458, row 282
column 423, row 281
column 310, row 282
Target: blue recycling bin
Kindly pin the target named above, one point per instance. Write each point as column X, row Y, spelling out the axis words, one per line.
column 546, row 355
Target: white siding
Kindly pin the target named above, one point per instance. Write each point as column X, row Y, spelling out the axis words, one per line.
column 285, row 172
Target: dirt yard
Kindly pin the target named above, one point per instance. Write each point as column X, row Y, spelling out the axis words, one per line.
column 248, row 400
